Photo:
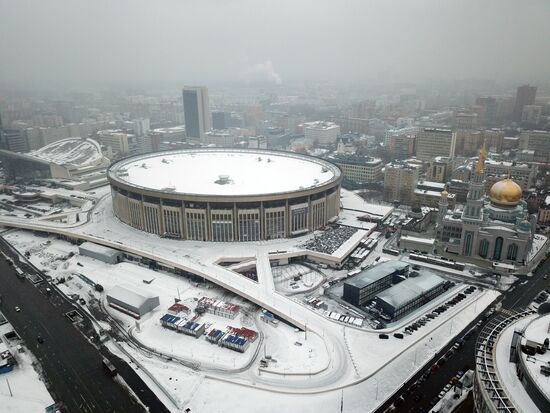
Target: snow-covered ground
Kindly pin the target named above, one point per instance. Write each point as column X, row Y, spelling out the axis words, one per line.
column 22, row 390
column 295, row 278
column 295, row 352
column 358, row 361
column 381, row 370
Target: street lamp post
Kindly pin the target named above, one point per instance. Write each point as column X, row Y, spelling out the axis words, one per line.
column 376, row 396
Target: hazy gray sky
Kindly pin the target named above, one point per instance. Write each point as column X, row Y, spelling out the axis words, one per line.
column 50, row 42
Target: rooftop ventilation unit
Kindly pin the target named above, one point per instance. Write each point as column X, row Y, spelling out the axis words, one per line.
column 223, row 180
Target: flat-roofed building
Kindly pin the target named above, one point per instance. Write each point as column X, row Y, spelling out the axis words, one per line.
column 522, row 173
column 365, row 285
column 539, row 142
column 401, row 146
column 323, row 133
column 100, row 252
column 410, row 294
column 400, row 180
column 434, row 142
column 359, row 169
column 431, row 199
column 132, row 300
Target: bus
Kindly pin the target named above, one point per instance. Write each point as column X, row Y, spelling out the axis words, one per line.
column 108, row 367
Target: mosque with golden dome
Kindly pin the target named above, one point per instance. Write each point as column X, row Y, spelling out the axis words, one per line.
column 496, row 228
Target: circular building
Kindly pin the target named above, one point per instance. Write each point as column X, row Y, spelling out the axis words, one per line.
column 513, row 364
column 225, row 194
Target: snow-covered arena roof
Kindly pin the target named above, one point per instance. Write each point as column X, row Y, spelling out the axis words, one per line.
column 225, row 172
column 72, row 151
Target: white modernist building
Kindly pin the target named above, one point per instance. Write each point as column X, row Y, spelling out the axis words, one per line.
column 321, row 132
column 225, row 194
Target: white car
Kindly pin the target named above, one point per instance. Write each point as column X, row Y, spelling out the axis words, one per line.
column 17, row 309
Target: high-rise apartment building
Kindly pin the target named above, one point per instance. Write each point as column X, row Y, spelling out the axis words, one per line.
column 218, row 120
column 433, row 142
column 13, row 139
column 525, row 95
column 196, row 109
column 538, row 142
column 141, row 126
column 487, row 110
column 400, row 146
column 400, row 181
column 530, row 115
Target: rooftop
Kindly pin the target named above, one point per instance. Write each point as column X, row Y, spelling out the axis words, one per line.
column 410, row 288
column 376, row 273
column 320, row 125
column 537, row 331
column 130, row 295
column 99, row 249
column 355, row 159
column 225, row 172
column 76, row 152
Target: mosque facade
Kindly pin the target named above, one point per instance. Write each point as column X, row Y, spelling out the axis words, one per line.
column 496, row 228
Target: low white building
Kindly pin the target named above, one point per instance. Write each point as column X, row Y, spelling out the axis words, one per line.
column 132, row 300
column 323, row 133
column 100, row 252
column 412, row 243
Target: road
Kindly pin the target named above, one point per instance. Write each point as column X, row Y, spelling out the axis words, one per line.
column 517, row 299
column 71, row 364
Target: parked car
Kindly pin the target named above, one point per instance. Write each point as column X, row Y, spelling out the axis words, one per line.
column 17, row 309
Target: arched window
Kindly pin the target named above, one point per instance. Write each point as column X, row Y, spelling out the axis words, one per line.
column 498, row 249
column 468, row 245
column 483, row 248
column 512, row 252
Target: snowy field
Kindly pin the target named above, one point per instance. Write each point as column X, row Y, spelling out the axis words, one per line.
column 381, row 370
column 52, row 256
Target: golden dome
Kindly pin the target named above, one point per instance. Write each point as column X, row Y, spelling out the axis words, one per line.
column 444, row 194
column 505, row 192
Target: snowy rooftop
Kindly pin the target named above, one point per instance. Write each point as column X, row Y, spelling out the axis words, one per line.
column 537, row 331
column 409, row 289
column 225, row 172
column 130, row 295
column 376, row 273
column 98, row 249
column 507, row 375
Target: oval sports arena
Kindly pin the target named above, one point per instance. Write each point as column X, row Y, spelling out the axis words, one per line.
column 225, row 194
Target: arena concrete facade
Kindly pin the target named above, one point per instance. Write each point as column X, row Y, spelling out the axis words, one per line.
column 160, row 193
